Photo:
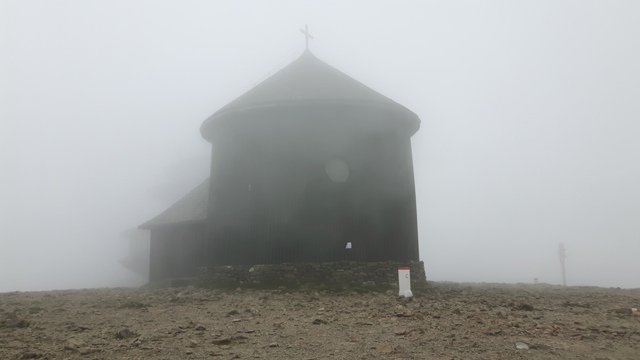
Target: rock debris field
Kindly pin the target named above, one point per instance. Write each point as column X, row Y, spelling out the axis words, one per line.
column 445, row 321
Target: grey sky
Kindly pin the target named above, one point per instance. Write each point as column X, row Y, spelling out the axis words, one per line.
column 530, row 129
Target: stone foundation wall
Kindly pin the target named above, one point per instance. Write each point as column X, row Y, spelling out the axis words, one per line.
column 346, row 272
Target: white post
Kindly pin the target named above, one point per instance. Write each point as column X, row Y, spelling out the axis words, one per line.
column 563, row 255
column 404, row 282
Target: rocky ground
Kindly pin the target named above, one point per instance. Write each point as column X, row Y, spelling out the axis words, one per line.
column 446, row 321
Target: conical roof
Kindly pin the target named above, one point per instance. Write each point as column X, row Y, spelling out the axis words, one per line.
column 307, row 80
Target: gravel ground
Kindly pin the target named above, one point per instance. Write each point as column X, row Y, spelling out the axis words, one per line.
column 447, row 321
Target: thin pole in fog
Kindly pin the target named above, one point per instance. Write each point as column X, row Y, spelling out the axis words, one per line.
column 563, row 255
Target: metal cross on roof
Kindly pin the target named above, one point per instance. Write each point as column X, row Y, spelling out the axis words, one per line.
column 306, row 35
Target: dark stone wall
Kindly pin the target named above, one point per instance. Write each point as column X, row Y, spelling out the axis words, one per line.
column 343, row 272
column 178, row 251
column 272, row 201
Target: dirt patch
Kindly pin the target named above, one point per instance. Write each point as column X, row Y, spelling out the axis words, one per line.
column 447, row 321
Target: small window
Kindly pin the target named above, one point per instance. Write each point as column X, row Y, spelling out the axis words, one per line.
column 337, row 170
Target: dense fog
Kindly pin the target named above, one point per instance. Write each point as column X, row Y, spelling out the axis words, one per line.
column 530, row 133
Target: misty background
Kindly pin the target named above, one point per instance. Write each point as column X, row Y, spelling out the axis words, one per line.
column 530, row 132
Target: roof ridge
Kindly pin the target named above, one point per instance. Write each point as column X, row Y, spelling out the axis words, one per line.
column 191, row 207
